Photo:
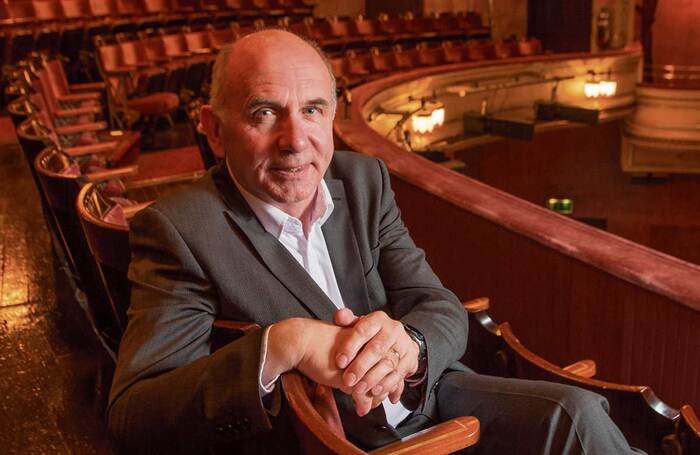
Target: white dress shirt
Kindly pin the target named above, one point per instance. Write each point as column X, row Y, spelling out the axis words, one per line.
column 311, row 252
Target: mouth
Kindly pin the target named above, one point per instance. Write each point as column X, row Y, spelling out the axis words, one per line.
column 290, row 171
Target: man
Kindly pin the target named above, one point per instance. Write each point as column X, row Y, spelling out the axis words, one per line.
column 290, row 235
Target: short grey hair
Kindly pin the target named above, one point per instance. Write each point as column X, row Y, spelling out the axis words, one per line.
column 218, row 95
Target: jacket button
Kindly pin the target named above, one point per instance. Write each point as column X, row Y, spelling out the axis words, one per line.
column 381, row 428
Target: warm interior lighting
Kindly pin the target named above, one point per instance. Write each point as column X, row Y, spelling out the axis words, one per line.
column 116, row 133
column 607, row 88
column 594, row 88
column 591, row 89
column 428, row 117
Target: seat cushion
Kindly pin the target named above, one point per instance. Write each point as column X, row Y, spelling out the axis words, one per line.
column 154, row 103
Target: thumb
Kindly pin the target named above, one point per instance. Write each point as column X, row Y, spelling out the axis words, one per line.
column 344, row 317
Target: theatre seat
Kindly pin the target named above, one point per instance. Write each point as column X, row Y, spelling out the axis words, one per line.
column 644, row 419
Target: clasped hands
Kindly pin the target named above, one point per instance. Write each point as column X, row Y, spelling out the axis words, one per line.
column 367, row 357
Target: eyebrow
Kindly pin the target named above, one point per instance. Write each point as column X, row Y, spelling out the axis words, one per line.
column 260, row 101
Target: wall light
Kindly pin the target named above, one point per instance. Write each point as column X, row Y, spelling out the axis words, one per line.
column 430, row 115
column 594, row 88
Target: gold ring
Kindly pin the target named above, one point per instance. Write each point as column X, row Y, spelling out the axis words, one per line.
column 396, row 353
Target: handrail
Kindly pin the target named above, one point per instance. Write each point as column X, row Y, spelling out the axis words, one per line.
column 644, row 267
column 670, row 76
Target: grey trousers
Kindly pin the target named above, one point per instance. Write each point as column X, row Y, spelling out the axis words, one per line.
column 526, row 417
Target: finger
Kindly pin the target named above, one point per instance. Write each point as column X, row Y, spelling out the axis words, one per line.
column 388, row 383
column 364, row 329
column 373, row 377
column 375, row 349
column 363, row 403
column 395, row 394
column 344, row 317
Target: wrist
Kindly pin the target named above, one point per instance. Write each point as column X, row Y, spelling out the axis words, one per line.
column 422, row 355
column 285, row 347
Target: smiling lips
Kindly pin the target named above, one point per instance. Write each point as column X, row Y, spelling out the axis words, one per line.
column 290, row 171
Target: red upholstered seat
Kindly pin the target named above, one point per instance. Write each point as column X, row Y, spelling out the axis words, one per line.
column 155, row 103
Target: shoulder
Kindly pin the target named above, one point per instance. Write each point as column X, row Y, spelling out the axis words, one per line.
column 189, row 203
column 351, row 166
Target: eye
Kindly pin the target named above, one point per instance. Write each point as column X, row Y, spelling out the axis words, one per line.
column 264, row 112
column 311, row 110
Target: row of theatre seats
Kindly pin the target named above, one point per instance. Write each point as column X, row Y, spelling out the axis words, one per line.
column 358, row 66
column 92, row 181
column 69, row 26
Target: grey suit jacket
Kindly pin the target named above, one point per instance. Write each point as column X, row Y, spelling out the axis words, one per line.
column 201, row 254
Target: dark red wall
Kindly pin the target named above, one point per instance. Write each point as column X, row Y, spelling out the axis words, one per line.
column 584, row 164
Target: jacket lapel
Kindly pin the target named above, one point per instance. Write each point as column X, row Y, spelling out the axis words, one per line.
column 272, row 253
column 343, row 249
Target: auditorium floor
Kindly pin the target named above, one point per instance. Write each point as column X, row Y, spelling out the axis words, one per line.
column 50, row 397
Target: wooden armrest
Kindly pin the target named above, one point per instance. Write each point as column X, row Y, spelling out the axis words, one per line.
column 120, row 71
column 584, row 368
column 691, row 418
column 62, row 113
column 203, row 51
column 131, row 210
column 446, row 437
column 88, row 87
column 476, row 305
column 99, row 148
column 80, row 128
column 116, row 173
column 85, row 96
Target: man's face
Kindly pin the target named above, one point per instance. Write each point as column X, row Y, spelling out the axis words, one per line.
column 277, row 128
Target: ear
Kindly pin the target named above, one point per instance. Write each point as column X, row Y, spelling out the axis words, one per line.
column 211, row 126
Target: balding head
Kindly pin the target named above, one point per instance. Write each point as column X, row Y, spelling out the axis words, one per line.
column 262, row 48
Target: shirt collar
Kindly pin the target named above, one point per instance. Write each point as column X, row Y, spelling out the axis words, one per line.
column 274, row 219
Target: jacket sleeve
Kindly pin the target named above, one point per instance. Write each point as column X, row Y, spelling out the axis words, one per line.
column 415, row 294
column 170, row 394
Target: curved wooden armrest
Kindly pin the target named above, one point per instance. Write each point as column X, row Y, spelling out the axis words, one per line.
column 131, row 210
column 81, row 128
column 115, row 173
column 476, row 305
column 103, row 147
column 84, row 96
column 74, row 112
column 447, row 437
column 120, row 71
column 88, row 87
column 584, row 368
column 691, row 418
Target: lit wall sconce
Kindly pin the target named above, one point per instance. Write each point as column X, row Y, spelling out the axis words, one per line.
column 430, row 115
column 604, row 88
column 563, row 206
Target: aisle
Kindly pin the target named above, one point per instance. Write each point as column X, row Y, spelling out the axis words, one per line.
column 48, row 358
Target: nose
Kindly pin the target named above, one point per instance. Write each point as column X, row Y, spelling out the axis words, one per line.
column 293, row 134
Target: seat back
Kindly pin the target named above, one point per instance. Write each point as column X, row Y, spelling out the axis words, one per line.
column 104, row 8
column 429, row 56
column 361, row 26
column 47, row 10
column 75, row 9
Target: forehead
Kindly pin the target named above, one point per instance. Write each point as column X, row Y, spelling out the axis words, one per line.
column 278, row 71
